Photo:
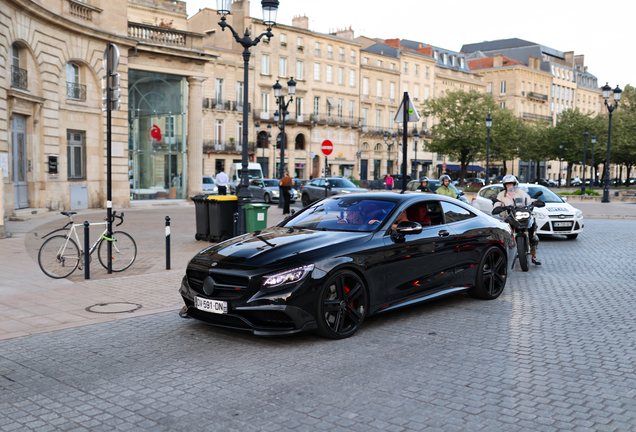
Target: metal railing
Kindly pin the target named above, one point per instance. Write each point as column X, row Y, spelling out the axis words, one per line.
column 158, row 35
column 531, row 116
column 224, row 105
column 216, row 146
column 538, row 96
column 75, row 91
column 19, row 78
column 81, row 11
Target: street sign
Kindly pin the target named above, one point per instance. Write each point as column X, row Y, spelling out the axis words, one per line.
column 444, row 166
column 326, row 147
column 412, row 115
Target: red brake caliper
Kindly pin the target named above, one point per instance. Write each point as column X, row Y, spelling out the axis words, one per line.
column 347, row 292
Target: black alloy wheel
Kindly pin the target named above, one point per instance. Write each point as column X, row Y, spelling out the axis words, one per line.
column 305, row 200
column 522, row 249
column 342, row 305
column 267, row 199
column 491, row 276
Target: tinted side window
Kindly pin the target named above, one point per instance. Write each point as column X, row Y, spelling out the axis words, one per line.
column 489, row 192
column 455, row 213
column 321, row 183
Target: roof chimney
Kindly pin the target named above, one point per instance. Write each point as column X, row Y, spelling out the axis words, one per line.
column 346, row 33
column 395, row 43
column 497, row 60
column 301, row 22
column 569, row 58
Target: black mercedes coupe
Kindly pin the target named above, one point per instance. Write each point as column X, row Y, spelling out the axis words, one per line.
column 344, row 258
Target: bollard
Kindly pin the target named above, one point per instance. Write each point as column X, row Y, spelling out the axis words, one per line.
column 87, row 255
column 167, row 242
column 236, row 216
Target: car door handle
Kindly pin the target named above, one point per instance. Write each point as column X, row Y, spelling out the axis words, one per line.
column 443, row 233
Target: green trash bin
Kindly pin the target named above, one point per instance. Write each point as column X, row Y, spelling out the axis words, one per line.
column 221, row 216
column 255, row 217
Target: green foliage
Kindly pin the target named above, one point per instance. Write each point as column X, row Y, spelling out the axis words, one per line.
column 578, row 192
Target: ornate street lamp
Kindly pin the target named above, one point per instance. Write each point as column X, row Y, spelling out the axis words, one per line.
column 282, row 112
column 270, row 8
column 560, row 161
column 388, row 147
column 592, row 167
column 610, row 107
column 488, row 126
column 416, row 139
column 585, row 134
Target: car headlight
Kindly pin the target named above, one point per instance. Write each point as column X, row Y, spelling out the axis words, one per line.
column 345, row 191
column 277, row 280
column 275, row 193
column 216, row 189
column 539, row 215
column 579, row 214
column 522, row 215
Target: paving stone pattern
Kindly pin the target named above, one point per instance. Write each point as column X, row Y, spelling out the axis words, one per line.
column 555, row 352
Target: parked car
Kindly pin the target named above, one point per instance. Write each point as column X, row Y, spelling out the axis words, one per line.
column 433, row 186
column 557, row 217
column 540, row 181
column 209, row 185
column 338, row 261
column 575, row 182
column 319, row 188
column 267, row 190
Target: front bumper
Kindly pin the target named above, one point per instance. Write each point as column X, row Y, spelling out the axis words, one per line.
column 261, row 319
column 547, row 226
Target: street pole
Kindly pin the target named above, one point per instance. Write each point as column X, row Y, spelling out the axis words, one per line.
column 585, row 134
column 593, row 168
column 488, row 126
column 560, row 162
column 610, row 107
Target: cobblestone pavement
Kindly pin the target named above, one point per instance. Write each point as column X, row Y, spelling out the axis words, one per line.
column 555, row 352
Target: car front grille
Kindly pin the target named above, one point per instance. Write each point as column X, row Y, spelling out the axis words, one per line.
column 227, row 287
column 559, row 216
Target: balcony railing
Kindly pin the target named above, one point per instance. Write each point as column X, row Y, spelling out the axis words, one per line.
column 215, row 146
column 19, row 78
column 158, row 35
column 538, row 96
column 75, row 91
column 224, row 105
column 531, row 116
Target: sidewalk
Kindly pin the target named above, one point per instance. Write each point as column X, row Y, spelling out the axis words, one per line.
column 31, row 302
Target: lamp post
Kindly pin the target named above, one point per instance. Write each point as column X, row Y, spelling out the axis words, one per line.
column 610, row 107
column 270, row 9
column 269, row 137
column 585, row 134
column 592, row 168
column 488, row 126
column 283, row 114
column 560, row 162
column 416, row 139
column 388, row 146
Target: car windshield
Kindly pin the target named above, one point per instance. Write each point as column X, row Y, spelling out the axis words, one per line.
column 271, row 183
column 435, row 184
column 341, row 183
column 547, row 197
column 343, row 214
column 208, row 180
column 253, row 174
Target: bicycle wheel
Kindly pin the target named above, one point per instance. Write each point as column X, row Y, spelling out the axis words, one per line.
column 124, row 251
column 59, row 257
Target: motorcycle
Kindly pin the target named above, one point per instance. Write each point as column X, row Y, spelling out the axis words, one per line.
column 520, row 218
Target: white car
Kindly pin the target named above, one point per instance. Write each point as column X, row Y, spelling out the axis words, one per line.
column 556, row 218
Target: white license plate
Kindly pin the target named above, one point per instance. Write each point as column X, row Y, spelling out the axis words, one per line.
column 214, row 306
column 563, row 224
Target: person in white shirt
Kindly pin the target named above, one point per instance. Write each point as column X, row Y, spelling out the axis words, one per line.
column 222, row 181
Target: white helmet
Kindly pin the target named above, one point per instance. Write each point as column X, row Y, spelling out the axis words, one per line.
column 510, row 179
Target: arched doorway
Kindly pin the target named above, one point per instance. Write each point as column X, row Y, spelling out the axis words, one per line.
column 300, row 142
column 278, row 138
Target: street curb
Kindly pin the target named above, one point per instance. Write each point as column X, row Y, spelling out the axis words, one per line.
column 609, row 217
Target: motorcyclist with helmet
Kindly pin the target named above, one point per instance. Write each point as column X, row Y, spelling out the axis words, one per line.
column 423, row 187
column 511, row 193
column 445, row 188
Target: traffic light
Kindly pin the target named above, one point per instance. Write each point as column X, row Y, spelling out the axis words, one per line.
column 111, row 90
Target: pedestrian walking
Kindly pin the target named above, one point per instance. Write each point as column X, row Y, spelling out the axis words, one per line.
column 285, row 187
column 389, row 182
column 222, row 181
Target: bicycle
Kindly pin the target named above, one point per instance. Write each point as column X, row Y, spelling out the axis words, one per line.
column 60, row 255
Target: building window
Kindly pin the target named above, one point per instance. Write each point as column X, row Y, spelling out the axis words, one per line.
column 392, row 92
column 340, row 137
column 427, row 72
column 391, row 119
column 329, row 51
column 218, row 131
column 426, row 90
column 365, row 117
column 75, row 153
column 316, row 135
column 351, row 108
column 218, row 91
column 328, row 133
column 341, row 53
column 365, row 60
column 392, row 66
column 406, row 67
column 341, row 76
column 283, row 39
column 553, row 88
column 352, row 78
column 340, row 107
column 317, row 49
column 353, row 57
column 436, row 55
column 265, row 101
column 378, row 119
column 503, row 105
column 282, row 67
column 352, row 138
column 445, row 58
column 417, row 70
column 364, row 147
column 316, row 71
column 416, row 92
column 365, row 88
column 378, row 147
column 299, row 70
column 299, row 42
column 503, row 88
column 316, row 105
column 239, row 93
column 265, row 64
column 74, row 88
column 489, row 89
column 462, row 62
column 239, row 132
column 453, row 61
column 378, row 89
column 405, row 87
column 329, row 73
column 299, row 108
column 379, row 63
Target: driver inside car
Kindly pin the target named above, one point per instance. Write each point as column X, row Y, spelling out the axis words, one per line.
column 511, row 195
column 353, row 215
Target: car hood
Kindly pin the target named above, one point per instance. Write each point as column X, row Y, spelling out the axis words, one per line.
column 269, row 246
column 556, row 209
column 341, row 190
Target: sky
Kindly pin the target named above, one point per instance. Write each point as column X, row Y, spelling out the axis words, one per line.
column 562, row 25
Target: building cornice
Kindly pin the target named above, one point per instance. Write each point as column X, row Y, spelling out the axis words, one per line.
column 156, row 9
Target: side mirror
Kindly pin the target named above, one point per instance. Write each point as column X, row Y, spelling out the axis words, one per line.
column 537, row 195
column 461, row 193
column 539, row 204
column 408, row 227
column 497, row 210
column 565, row 199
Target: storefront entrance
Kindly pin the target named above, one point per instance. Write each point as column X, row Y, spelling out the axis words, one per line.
column 157, row 135
column 18, row 139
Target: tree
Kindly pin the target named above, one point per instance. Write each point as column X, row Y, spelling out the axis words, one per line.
column 505, row 135
column 461, row 129
column 624, row 131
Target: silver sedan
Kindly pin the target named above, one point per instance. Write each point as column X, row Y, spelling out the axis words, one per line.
column 267, row 190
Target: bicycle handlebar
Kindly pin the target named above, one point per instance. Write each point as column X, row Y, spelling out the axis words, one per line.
column 120, row 217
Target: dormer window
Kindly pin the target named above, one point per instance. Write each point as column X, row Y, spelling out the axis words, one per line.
column 436, row 55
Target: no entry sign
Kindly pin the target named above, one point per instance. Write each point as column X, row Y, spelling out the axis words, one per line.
column 326, row 147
